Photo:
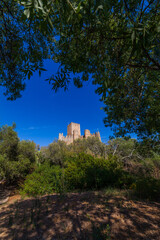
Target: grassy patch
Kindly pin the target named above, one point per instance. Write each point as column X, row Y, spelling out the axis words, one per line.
column 113, row 192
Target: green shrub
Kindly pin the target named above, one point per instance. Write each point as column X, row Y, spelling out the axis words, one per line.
column 125, row 180
column 45, row 179
column 147, row 188
column 84, row 171
column 2, row 169
column 12, row 171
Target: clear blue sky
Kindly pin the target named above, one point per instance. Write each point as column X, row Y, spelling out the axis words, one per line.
column 40, row 114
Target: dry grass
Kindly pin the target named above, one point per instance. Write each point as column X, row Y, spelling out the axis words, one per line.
column 89, row 215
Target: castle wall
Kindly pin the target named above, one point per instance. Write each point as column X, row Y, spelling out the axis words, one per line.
column 73, row 133
column 68, row 139
column 61, row 136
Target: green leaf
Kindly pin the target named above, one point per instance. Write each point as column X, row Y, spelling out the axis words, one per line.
column 100, row 7
column 27, row 12
column 133, row 36
column 78, row 8
column 158, row 28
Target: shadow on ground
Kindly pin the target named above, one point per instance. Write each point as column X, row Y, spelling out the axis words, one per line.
column 87, row 216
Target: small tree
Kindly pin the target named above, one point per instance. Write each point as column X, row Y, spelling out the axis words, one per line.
column 90, row 145
column 27, row 149
column 55, row 152
column 16, row 158
column 9, row 142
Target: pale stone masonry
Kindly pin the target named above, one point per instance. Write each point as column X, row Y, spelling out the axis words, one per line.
column 74, row 132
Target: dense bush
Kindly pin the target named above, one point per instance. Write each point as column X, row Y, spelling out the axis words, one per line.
column 137, row 159
column 12, row 171
column 86, row 172
column 147, row 188
column 45, row 179
column 2, row 166
column 153, row 164
column 82, row 171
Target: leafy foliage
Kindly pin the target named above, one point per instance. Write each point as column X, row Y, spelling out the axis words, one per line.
column 91, row 145
column 85, row 164
column 64, row 167
column 22, row 48
column 81, row 171
column 8, row 142
column 136, row 158
column 55, row 153
column 16, row 157
column 27, row 149
column 12, row 171
column 44, row 180
column 147, row 188
column 114, row 42
column 87, row 172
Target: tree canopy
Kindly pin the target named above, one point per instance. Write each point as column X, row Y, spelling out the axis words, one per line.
column 17, row 157
column 22, row 48
column 115, row 43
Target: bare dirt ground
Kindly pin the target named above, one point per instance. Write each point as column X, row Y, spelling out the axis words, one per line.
column 86, row 216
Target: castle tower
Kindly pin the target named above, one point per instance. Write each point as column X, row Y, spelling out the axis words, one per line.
column 73, row 128
column 75, row 134
column 97, row 134
column 87, row 133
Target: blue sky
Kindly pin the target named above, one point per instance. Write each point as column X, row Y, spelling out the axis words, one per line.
column 40, row 114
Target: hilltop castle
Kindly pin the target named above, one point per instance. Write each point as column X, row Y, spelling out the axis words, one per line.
column 74, row 132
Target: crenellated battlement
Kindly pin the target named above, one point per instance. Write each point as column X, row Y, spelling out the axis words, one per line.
column 74, row 132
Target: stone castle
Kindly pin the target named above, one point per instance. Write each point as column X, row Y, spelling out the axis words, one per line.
column 74, row 132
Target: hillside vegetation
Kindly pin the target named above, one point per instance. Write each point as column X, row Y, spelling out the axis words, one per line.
column 86, row 164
